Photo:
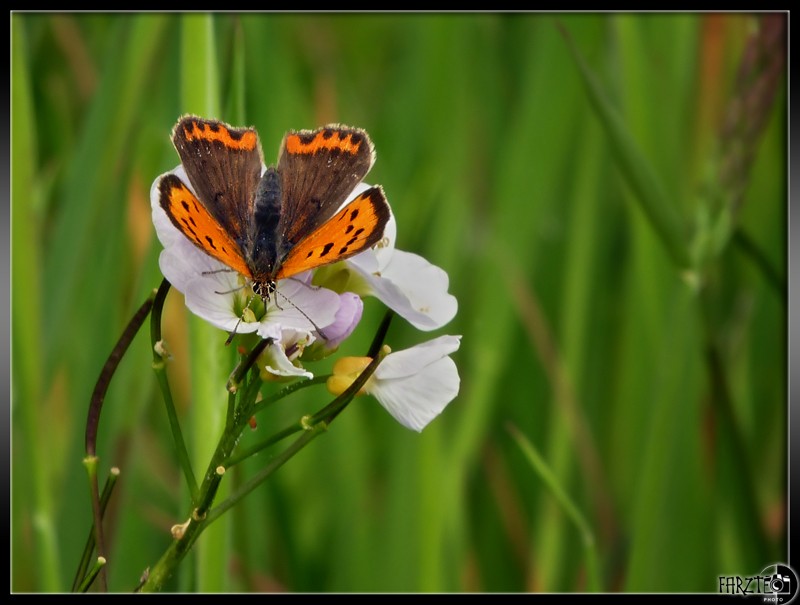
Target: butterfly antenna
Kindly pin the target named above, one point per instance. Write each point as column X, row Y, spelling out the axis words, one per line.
column 213, row 271
column 303, row 313
column 307, row 285
column 232, row 291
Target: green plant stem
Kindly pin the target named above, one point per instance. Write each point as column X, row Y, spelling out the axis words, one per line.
column 272, row 440
column 273, row 465
column 212, row 479
column 28, row 350
column 93, row 422
column 570, row 508
column 234, row 382
column 111, row 365
column 159, row 366
column 108, row 488
column 90, row 462
column 288, row 390
column 99, row 565
column 750, row 249
column 280, row 435
column 312, row 426
column 198, row 519
column 734, row 466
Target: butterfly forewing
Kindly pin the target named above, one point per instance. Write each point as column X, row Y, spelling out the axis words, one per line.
column 223, row 165
column 356, row 227
column 319, row 169
column 193, row 220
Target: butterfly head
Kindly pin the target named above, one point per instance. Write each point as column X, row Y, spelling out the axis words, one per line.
column 265, row 289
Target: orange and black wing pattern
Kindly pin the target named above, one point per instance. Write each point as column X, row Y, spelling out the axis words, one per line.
column 196, row 223
column 224, row 166
column 319, row 169
column 356, row 227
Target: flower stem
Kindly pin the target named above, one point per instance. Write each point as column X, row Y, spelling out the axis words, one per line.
column 93, row 422
column 90, row 462
column 221, row 460
column 335, row 407
column 101, row 387
column 99, row 564
column 288, row 390
column 247, row 363
column 199, row 519
column 160, row 357
column 108, row 488
column 279, row 436
column 380, row 335
column 273, row 465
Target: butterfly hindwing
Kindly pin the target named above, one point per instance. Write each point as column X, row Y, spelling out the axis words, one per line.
column 356, row 227
column 196, row 223
column 223, row 165
column 319, row 168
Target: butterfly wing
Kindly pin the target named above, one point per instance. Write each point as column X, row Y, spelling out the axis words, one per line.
column 319, row 169
column 196, row 223
column 223, row 165
column 356, row 227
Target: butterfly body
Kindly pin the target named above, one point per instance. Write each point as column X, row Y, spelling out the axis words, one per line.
column 288, row 220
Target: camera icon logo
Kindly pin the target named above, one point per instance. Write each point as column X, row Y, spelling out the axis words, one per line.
column 779, row 582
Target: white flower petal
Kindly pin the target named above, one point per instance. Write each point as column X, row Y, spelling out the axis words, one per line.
column 303, row 306
column 416, row 400
column 408, row 362
column 279, row 363
column 211, row 297
column 412, row 287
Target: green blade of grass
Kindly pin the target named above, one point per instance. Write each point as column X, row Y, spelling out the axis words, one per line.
column 210, row 362
column 639, row 173
column 558, row 491
column 26, row 311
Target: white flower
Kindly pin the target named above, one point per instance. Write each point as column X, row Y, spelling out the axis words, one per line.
column 405, row 282
column 413, row 385
column 221, row 296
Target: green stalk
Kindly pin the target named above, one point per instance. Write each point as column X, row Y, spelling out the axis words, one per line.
column 200, row 95
column 638, row 172
column 99, row 565
column 160, row 357
column 26, row 304
column 561, row 496
column 108, row 489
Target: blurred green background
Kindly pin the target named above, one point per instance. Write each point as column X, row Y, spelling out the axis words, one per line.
column 615, row 237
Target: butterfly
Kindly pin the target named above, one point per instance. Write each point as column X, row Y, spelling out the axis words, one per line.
column 288, row 220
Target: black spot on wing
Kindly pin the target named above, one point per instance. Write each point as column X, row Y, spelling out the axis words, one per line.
column 306, row 137
column 189, row 228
